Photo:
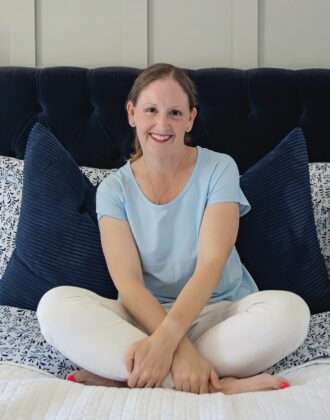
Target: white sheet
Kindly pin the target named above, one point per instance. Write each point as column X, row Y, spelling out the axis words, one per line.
column 27, row 393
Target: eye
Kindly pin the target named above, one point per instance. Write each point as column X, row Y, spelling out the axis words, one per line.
column 176, row 113
column 150, row 109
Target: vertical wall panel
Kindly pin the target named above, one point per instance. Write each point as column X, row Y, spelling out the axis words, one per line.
column 79, row 32
column 134, row 33
column 4, row 33
column 245, row 33
column 17, row 33
column 191, row 33
column 294, row 33
column 92, row 33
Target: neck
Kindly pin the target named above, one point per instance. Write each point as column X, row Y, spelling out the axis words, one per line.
column 164, row 176
column 164, row 167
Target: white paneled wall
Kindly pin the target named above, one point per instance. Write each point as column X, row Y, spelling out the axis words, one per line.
column 79, row 32
column 245, row 34
column 17, row 33
column 189, row 33
column 294, row 33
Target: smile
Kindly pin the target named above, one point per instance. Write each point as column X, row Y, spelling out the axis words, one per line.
column 159, row 138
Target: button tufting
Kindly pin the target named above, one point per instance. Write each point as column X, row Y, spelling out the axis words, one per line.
column 38, row 109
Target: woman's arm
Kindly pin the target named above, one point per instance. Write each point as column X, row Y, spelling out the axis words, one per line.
column 148, row 361
column 124, row 265
column 168, row 331
column 217, row 238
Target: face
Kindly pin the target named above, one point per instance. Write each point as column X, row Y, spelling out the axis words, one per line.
column 161, row 117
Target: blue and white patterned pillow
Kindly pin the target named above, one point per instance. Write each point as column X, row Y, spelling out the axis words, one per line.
column 11, row 182
column 319, row 174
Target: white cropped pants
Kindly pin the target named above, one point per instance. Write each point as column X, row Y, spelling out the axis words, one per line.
column 240, row 338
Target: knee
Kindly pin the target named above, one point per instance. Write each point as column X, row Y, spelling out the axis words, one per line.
column 53, row 303
column 294, row 313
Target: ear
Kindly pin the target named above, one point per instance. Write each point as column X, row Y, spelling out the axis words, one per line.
column 192, row 117
column 130, row 113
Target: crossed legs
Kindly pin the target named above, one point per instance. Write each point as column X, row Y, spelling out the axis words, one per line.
column 251, row 335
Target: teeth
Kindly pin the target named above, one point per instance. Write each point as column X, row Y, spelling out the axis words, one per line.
column 159, row 137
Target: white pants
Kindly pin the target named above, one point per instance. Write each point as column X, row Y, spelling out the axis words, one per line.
column 240, row 338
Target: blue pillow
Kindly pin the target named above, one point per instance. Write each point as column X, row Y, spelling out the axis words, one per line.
column 57, row 241
column 277, row 240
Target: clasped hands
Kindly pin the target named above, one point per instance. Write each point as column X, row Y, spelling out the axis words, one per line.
column 150, row 360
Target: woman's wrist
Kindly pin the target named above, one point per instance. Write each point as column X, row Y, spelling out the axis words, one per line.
column 184, row 345
column 170, row 333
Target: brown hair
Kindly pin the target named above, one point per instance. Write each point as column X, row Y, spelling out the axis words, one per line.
column 156, row 72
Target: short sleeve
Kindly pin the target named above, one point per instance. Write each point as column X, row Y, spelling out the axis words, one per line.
column 110, row 198
column 224, row 185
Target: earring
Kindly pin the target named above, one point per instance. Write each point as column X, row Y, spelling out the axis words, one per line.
column 132, row 124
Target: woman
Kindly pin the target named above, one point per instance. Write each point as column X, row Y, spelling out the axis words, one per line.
column 189, row 315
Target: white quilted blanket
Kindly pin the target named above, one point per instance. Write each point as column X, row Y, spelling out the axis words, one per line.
column 26, row 393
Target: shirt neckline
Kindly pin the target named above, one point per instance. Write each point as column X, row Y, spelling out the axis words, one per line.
column 179, row 196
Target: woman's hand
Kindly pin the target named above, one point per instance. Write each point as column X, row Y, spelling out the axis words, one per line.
column 148, row 362
column 191, row 372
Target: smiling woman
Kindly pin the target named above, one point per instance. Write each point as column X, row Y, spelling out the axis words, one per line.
column 162, row 113
column 158, row 73
column 188, row 310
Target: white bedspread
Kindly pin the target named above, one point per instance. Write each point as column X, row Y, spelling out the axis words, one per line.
column 26, row 393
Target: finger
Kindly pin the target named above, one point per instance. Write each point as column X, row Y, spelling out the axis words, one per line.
column 129, row 365
column 129, row 359
column 212, row 390
column 131, row 382
column 204, row 388
column 133, row 379
column 158, row 382
column 178, row 385
column 145, row 380
column 194, row 387
column 186, row 386
column 141, row 383
column 214, row 379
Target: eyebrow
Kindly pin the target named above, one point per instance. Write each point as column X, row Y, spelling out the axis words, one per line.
column 172, row 106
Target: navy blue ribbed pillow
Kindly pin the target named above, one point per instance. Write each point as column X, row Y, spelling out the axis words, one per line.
column 57, row 241
column 277, row 239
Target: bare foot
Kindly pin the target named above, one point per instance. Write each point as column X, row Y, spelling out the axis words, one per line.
column 87, row 378
column 229, row 385
column 261, row 382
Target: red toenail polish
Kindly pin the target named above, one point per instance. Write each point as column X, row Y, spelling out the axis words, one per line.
column 70, row 378
column 284, row 385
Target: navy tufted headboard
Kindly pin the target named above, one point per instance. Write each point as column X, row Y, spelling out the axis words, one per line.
column 241, row 112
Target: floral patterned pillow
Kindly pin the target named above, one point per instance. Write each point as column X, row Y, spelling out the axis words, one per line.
column 320, row 181
column 11, row 183
column 11, row 180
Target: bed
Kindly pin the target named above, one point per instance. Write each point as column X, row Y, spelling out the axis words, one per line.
column 62, row 130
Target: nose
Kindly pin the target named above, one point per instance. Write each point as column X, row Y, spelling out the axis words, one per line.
column 162, row 121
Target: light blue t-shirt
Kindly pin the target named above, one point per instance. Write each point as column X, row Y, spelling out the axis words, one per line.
column 167, row 235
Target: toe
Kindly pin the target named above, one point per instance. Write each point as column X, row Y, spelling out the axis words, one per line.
column 281, row 383
column 72, row 376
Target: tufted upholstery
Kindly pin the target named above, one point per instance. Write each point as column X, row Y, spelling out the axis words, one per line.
column 241, row 112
